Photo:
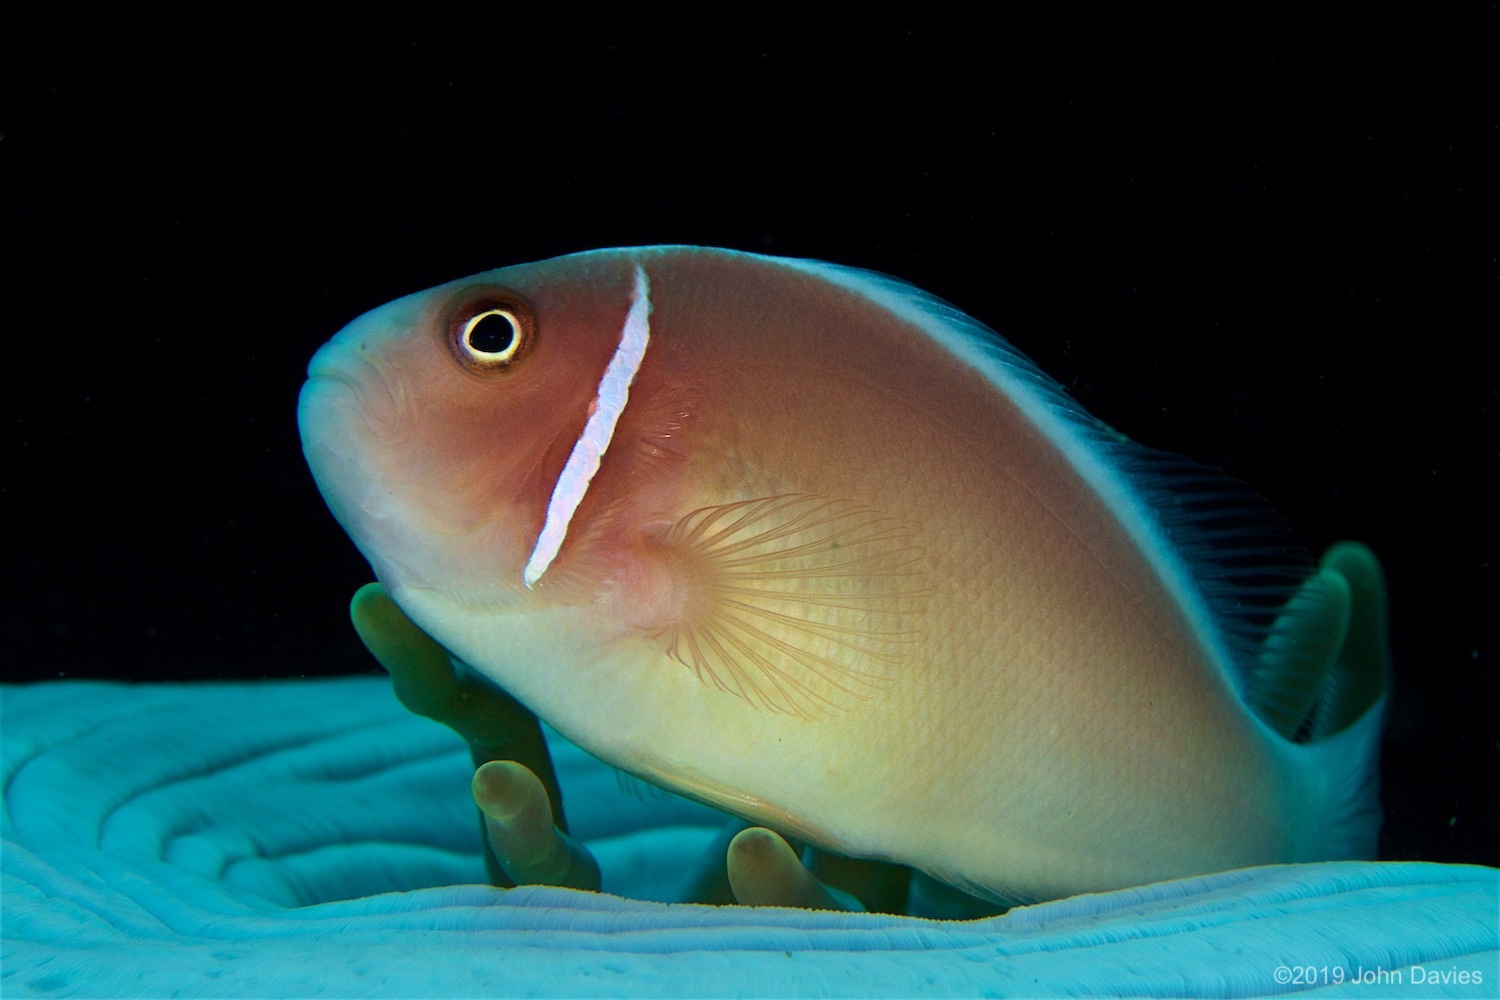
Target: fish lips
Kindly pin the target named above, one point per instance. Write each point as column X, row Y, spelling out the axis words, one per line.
column 335, row 421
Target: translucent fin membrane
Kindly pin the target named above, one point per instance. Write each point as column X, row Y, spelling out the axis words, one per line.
column 805, row 603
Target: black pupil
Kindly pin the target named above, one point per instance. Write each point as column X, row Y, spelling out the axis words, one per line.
column 492, row 335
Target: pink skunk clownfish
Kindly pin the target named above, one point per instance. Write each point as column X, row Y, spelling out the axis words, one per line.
column 815, row 547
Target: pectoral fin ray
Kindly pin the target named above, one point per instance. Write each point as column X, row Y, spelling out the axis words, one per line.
column 796, row 604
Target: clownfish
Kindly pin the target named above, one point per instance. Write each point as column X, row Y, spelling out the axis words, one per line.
column 810, row 545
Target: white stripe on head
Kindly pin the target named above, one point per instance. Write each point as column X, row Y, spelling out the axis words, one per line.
column 588, row 450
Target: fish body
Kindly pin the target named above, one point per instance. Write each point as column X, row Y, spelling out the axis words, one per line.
column 817, row 548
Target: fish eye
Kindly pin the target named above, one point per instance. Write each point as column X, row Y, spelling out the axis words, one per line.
column 493, row 335
column 490, row 336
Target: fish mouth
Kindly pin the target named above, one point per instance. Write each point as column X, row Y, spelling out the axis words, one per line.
column 334, row 375
column 372, row 390
column 346, row 460
column 350, row 422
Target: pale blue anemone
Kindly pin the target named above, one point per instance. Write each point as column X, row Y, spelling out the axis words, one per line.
column 310, row 838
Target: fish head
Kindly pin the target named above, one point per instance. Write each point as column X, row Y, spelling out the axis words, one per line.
column 437, row 426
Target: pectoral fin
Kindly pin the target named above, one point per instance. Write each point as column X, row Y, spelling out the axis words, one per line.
column 797, row 604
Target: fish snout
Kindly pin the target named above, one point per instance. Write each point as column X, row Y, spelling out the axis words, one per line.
column 342, row 382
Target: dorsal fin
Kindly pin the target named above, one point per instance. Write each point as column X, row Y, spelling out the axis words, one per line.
column 1223, row 553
